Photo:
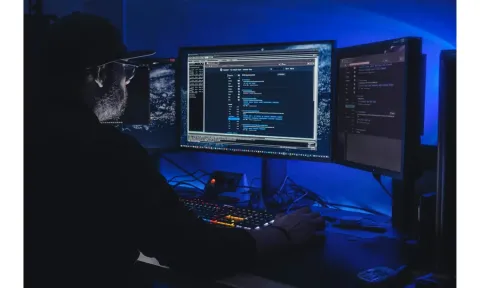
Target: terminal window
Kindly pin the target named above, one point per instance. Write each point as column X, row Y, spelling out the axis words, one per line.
column 370, row 97
column 255, row 101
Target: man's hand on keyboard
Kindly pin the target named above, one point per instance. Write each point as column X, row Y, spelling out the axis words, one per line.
column 300, row 225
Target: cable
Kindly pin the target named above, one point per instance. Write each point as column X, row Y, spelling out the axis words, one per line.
column 278, row 193
column 183, row 169
column 385, row 189
column 371, row 211
column 286, row 196
column 190, row 175
column 283, row 185
column 187, row 184
column 378, row 177
column 315, row 197
column 295, row 201
column 311, row 195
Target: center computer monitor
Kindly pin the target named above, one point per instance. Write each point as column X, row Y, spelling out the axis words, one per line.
column 265, row 99
column 378, row 100
column 151, row 109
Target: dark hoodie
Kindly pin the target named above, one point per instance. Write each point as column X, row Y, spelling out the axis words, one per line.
column 93, row 198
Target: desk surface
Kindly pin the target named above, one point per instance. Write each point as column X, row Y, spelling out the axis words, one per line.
column 332, row 261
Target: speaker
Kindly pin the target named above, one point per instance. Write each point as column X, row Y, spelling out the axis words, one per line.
column 227, row 187
column 446, row 167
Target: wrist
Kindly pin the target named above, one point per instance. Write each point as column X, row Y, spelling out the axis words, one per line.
column 269, row 239
column 284, row 232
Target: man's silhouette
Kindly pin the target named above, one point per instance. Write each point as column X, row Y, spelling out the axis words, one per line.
column 93, row 199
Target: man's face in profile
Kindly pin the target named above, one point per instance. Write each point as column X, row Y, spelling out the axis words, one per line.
column 110, row 93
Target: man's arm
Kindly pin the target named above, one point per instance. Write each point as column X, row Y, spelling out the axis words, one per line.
column 175, row 236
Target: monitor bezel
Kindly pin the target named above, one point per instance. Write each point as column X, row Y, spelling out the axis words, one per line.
column 193, row 49
column 411, row 104
column 148, row 61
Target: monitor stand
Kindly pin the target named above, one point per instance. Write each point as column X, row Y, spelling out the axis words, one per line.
column 274, row 172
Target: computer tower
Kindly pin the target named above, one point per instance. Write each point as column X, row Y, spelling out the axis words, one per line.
column 446, row 166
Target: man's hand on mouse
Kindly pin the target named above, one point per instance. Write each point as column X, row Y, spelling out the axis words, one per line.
column 295, row 228
column 300, row 225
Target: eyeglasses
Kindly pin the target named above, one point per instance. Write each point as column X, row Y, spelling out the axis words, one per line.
column 129, row 70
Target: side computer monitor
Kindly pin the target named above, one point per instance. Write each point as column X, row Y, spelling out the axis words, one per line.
column 151, row 110
column 378, row 103
column 264, row 100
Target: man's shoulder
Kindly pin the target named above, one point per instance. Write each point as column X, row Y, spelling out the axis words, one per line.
column 112, row 134
column 111, row 138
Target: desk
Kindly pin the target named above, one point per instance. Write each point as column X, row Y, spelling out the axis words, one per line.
column 335, row 263
column 332, row 261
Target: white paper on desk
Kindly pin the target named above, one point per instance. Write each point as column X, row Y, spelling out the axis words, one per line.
column 238, row 281
column 151, row 261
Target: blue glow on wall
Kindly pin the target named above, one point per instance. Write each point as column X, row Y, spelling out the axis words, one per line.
column 168, row 24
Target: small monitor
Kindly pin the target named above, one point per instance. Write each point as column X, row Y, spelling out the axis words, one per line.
column 372, row 120
column 265, row 100
column 151, row 110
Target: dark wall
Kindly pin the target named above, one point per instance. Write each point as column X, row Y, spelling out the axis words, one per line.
column 111, row 9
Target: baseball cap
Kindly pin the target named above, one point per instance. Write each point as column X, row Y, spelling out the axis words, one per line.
column 88, row 40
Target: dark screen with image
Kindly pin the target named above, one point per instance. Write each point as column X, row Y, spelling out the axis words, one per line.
column 137, row 111
column 158, row 86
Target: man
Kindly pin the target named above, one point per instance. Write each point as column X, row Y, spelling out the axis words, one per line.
column 94, row 200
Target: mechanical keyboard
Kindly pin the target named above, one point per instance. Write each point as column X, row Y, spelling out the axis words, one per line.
column 228, row 216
